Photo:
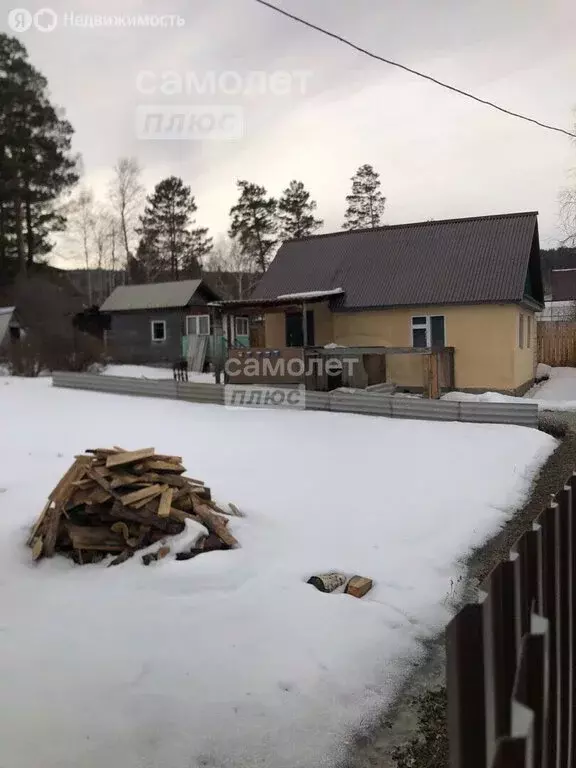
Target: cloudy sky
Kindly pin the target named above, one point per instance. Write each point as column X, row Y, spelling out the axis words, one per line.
column 439, row 155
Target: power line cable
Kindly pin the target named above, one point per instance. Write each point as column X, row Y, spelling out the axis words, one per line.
column 453, row 88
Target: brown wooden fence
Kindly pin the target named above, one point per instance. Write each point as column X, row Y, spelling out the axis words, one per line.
column 511, row 662
column 557, row 343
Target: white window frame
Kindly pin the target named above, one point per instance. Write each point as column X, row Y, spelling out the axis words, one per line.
column 425, row 326
column 196, row 324
column 243, row 319
column 152, row 324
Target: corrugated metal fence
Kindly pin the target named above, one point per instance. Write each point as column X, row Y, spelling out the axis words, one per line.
column 367, row 403
column 511, row 665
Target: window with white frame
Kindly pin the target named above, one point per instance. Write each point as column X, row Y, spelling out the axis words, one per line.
column 428, row 331
column 521, row 331
column 528, row 331
column 198, row 325
column 242, row 326
column 158, row 330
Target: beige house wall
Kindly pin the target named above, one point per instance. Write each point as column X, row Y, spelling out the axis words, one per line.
column 485, row 337
column 525, row 357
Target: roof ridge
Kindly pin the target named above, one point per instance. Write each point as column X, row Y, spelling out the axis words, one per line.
column 163, row 282
column 430, row 222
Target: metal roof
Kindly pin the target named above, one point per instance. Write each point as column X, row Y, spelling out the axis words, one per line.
column 151, row 296
column 458, row 261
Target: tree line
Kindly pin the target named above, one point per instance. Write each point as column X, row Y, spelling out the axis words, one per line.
column 164, row 241
column 145, row 237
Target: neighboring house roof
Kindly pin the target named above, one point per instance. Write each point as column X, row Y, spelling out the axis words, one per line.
column 154, row 296
column 458, row 261
column 5, row 318
column 563, row 284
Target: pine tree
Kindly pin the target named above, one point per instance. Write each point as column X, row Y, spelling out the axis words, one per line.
column 198, row 250
column 296, row 212
column 366, row 203
column 170, row 244
column 36, row 165
column 254, row 223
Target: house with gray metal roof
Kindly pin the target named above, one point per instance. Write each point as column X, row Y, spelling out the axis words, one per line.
column 156, row 322
column 473, row 285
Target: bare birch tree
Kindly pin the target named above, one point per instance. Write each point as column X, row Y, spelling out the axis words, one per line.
column 81, row 227
column 127, row 197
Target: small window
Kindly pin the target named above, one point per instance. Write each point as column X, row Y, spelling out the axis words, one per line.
column 242, row 326
column 428, row 331
column 419, row 337
column 521, row 331
column 203, row 325
column 198, row 325
column 528, row 331
column 158, row 328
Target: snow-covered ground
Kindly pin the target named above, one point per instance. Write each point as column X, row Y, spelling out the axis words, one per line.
column 231, row 659
column 150, row 372
column 558, row 393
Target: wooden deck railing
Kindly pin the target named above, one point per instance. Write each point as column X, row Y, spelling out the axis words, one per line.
column 511, row 657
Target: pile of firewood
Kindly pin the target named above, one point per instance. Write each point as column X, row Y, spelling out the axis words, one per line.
column 116, row 502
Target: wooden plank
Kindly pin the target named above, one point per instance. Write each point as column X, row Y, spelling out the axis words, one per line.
column 96, row 495
column 147, row 501
column 95, row 538
column 147, row 516
column 104, row 484
column 36, row 527
column 130, row 457
column 37, row 548
column 176, row 481
column 118, row 481
column 59, row 497
column 164, row 466
column 165, row 503
column 213, row 522
column 144, row 493
column 358, row 586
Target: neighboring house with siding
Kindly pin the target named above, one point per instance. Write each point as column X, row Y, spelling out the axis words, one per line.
column 152, row 323
column 560, row 303
column 473, row 284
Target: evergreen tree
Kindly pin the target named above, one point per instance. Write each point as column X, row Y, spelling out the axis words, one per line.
column 170, row 244
column 254, row 223
column 366, row 203
column 36, row 165
column 296, row 212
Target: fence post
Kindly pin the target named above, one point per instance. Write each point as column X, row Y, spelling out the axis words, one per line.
column 547, row 521
column 465, row 688
column 499, row 652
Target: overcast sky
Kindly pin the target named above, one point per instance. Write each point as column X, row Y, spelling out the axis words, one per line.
column 439, row 155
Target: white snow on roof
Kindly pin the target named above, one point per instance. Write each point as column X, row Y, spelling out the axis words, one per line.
column 7, row 310
column 311, row 294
